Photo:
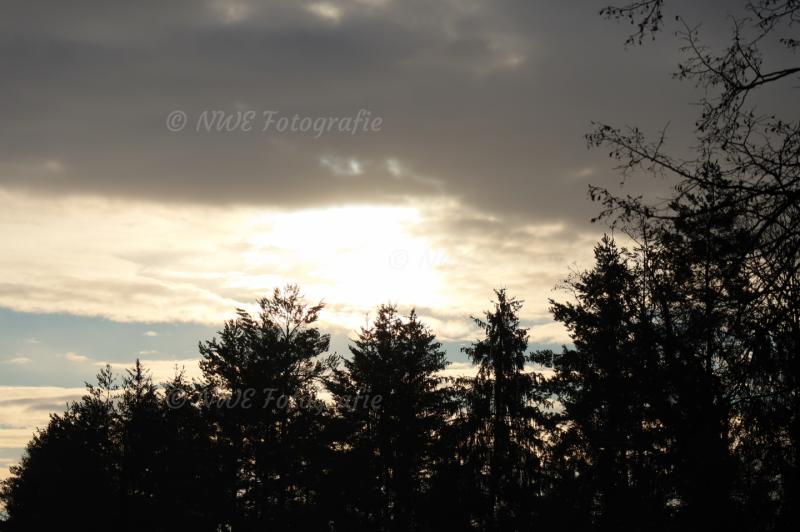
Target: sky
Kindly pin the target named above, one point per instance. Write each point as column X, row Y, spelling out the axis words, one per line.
column 131, row 228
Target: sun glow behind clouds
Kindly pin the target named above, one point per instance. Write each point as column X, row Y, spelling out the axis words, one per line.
column 136, row 261
column 354, row 255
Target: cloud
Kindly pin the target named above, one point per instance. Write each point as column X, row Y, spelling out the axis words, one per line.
column 17, row 360
column 160, row 370
column 23, row 409
column 73, row 357
column 342, row 167
column 459, row 369
column 550, row 333
column 326, row 10
column 5, row 463
column 487, row 101
column 151, row 263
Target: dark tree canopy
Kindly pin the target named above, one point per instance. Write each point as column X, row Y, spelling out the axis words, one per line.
column 392, row 409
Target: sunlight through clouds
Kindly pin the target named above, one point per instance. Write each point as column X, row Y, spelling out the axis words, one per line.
column 134, row 261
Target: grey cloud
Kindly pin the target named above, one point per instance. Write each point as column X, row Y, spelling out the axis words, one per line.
column 487, row 100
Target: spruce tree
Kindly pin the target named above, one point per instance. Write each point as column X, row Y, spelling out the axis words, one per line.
column 392, row 406
column 505, row 420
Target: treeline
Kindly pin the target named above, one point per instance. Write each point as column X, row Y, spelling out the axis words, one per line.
column 675, row 409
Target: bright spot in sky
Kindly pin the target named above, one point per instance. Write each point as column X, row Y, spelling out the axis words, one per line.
column 360, row 255
column 326, row 10
column 140, row 261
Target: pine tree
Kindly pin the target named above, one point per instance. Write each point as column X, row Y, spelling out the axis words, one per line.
column 193, row 465
column 68, row 477
column 141, row 440
column 505, row 418
column 609, row 388
column 392, row 406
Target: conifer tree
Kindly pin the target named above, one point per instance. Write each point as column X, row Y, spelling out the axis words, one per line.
column 68, row 477
column 610, row 392
column 262, row 374
column 505, row 419
column 392, row 405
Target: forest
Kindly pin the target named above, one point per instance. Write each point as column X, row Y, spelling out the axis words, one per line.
column 676, row 406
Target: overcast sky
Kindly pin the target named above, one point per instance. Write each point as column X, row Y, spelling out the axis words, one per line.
column 122, row 237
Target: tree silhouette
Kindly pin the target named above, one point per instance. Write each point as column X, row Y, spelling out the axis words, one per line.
column 504, row 418
column 193, row 480
column 391, row 406
column 141, row 437
column 612, row 395
column 263, row 373
column 647, row 422
column 69, row 475
column 729, row 236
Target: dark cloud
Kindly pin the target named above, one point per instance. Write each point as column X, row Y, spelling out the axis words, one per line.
column 485, row 101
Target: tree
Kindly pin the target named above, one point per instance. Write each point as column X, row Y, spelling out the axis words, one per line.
column 195, row 475
column 612, row 393
column 68, row 477
column 393, row 408
column 505, row 419
column 739, row 312
column 169, row 466
column 141, row 440
column 262, row 375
